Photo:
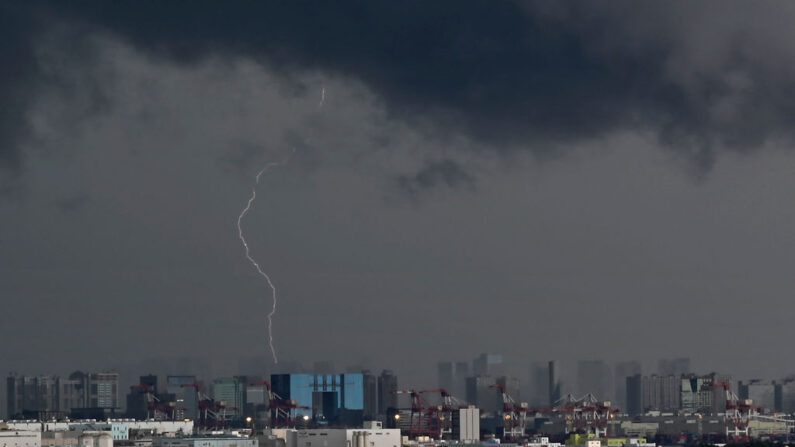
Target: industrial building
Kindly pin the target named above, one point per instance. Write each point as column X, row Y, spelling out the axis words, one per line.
column 16, row 438
column 383, row 437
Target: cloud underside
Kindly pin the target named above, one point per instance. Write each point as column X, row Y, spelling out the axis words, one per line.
column 530, row 76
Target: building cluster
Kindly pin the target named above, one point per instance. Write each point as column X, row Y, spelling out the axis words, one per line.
column 81, row 395
column 475, row 402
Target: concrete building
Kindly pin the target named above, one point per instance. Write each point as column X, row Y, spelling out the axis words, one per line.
column 358, row 437
column 209, row 441
column 387, row 385
column 184, row 395
column 47, row 397
column 703, row 394
column 466, row 425
column 481, row 392
column 60, row 438
column 652, row 393
column 15, row 438
column 554, row 385
column 785, row 396
column 537, row 390
column 622, row 371
column 761, row 392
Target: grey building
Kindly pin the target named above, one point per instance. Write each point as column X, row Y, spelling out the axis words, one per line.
column 184, row 390
column 761, row 392
column 785, row 396
column 554, row 385
column 481, row 393
column 622, row 371
column 387, row 385
column 51, row 396
column 488, row 365
column 537, row 391
column 646, row 393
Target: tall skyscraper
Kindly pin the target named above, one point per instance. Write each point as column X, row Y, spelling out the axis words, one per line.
column 622, row 371
column 645, row 393
column 554, row 383
column 537, row 391
column 387, row 385
column 488, row 365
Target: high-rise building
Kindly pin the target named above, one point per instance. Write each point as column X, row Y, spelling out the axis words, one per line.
column 703, row 394
column 231, row 393
column 482, row 393
column 785, row 396
column 761, row 392
column 452, row 377
column 593, row 377
column 370, row 395
column 645, row 393
column 460, row 379
column 50, row 396
column 537, row 391
column 387, row 385
column 488, row 365
column 335, row 399
column 28, row 396
column 184, row 390
column 622, row 371
column 554, row 383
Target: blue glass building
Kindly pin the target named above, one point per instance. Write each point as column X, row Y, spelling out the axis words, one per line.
column 332, row 399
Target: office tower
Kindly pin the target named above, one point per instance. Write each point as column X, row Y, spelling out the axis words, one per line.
column 387, row 385
column 231, row 392
column 537, row 391
column 622, row 371
column 185, row 392
column 761, row 392
column 646, row 393
column 482, row 393
column 554, row 383
column 488, row 364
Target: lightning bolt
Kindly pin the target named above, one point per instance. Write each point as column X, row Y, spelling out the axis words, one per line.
column 322, row 98
column 248, row 251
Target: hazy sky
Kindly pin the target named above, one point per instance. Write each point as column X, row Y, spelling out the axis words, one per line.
column 545, row 180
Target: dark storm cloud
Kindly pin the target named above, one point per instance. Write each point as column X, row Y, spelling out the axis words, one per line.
column 17, row 79
column 436, row 173
column 531, row 75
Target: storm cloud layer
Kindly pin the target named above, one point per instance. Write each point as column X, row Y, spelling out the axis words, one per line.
column 701, row 76
column 509, row 177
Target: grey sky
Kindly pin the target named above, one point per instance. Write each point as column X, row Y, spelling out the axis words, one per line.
column 408, row 227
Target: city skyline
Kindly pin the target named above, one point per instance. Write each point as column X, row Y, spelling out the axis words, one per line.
column 541, row 181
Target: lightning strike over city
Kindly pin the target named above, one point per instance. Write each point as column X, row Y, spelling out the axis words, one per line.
column 483, row 223
column 247, row 251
